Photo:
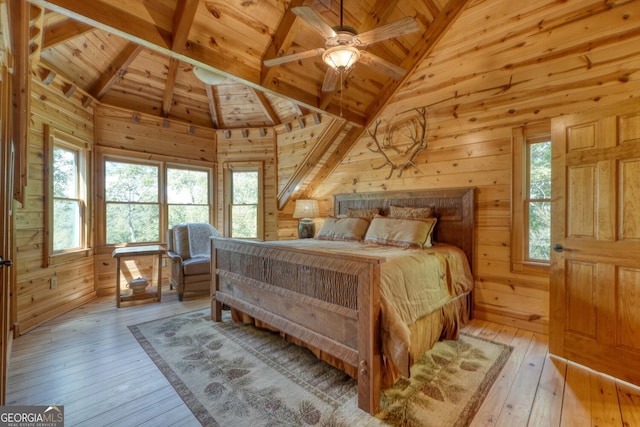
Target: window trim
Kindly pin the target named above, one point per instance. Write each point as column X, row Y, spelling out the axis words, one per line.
column 103, row 153
column 54, row 137
column 248, row 166
column 521, row 138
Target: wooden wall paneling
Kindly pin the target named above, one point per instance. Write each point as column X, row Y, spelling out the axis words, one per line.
column 36, row 301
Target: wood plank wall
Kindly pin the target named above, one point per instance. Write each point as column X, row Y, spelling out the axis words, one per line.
column 162, row 139
column 472, row 113
column 36, row 302
column 250, row 145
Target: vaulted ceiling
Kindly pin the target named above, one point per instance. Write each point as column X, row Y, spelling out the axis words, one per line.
column 140, row 55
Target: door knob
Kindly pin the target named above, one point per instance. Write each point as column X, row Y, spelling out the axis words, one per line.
column 4, row 262
column 558, row 247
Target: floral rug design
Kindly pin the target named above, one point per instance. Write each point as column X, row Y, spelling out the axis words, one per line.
column 233, row 374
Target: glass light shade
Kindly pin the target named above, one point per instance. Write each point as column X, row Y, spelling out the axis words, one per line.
column 306, row 209
column 341, row 57
column 208, row 76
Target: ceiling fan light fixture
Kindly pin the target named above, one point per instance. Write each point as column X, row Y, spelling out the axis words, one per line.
column 341, row 58
column 208, row 76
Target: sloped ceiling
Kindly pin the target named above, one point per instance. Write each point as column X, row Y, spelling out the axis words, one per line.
column 139, row 54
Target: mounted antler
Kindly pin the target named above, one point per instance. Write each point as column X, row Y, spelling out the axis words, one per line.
column 417, row 133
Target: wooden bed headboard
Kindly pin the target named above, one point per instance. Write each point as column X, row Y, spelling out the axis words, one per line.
column 454, row 208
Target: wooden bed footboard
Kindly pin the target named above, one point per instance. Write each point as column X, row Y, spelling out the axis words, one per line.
column 329, row 301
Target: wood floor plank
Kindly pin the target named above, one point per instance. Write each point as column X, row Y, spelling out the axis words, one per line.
column 629, row 398
column 576, row 404
column 88, row 361
column 517, row 408
column 547, row 405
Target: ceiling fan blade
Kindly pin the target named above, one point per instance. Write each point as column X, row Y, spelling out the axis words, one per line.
column 392, row 70
column 397, row 28
column 330, row 80
column 310, row 16
column 293, row 57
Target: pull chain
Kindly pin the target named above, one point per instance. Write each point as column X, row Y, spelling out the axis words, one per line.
column 341, row 90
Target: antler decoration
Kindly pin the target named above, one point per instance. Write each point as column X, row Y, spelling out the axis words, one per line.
column 417, row 129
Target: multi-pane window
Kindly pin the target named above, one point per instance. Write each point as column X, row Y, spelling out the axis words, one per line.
column 539, row 199
column 132, row 202
column 187, row 195
column 244, row 204
column 531, row 199
column 243, row 198
column 68, row 198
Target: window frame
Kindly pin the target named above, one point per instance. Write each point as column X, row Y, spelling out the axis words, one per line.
column 54, row 137
column 191, row 167
column 522, row 137
column 248, row 166
column 104, row 154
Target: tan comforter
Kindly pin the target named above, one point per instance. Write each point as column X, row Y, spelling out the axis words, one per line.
column 413, row 284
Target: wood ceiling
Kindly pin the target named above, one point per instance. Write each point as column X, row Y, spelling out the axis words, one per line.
column 139, row 54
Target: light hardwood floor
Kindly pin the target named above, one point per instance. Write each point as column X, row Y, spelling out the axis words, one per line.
column 88, row 361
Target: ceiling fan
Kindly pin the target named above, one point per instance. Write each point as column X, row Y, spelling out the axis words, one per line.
column 342, row 48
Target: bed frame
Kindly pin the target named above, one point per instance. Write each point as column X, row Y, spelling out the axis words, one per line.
column 330, row 301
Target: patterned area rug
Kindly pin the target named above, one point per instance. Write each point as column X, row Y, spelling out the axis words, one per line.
column 232, row 374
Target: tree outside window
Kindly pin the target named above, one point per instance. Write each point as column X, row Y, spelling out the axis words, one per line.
column 243, row 200
column 188, row 195
column 539, row 200
column 67, row 199
column 132, row 202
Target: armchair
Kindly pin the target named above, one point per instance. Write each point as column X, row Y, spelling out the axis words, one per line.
column 189, row 251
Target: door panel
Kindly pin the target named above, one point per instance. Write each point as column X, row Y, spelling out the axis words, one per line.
column 595, row 273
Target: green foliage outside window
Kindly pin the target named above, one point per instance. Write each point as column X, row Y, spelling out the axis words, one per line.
column 66, row 199
column 187, row 195
column 539, row 200
column 244, row 204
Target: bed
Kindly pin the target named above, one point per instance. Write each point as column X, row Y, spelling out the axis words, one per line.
column 329, row 299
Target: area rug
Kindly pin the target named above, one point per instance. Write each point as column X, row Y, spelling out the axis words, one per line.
column 230, row 374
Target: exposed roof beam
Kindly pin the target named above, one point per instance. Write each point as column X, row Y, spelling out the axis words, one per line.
column 36, row 25
column 64, row 31
column 213, row 106
column 182, row 21
column 101, row 14
column 312, row 159
column 115, row 69
column 420, row 51
column 282, row 39
column 350, row 139
column 169, row 85
column 268, row 110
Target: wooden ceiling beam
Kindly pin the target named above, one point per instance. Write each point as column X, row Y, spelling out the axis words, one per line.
column 213, row 106
column 36, row 28
column 332, row 162
column 117, row 68
column 63, row 32
column 100, row 14
column 447, row 16
column 182, row 21
column 267, row 109
column 325, row 140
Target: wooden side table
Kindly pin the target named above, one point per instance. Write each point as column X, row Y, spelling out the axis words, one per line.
column 134, row 251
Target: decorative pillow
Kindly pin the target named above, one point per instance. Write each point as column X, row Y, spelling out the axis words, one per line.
column 410, row 212
column 343, row 229
column 406, row 233
column 363, row 213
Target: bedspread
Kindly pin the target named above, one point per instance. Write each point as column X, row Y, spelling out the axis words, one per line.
column 413, row 284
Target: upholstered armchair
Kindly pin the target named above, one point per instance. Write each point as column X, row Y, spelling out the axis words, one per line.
column 189, row 251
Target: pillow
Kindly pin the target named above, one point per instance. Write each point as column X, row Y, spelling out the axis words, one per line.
column 413, row 213
column 363, row 213
column 343, row 229
column 403, row 232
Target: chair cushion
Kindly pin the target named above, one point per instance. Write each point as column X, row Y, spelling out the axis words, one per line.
column 198, row 265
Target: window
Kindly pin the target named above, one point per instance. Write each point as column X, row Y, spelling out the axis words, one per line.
column 187, row 195
column 531, row 218
column 144, row 197
column 67, row 185
column 132, row 202
column 244, row 200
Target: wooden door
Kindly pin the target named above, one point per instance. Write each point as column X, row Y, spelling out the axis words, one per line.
column 595, row 268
